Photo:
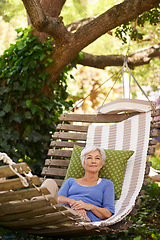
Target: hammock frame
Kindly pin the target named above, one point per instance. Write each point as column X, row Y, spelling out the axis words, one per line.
column 45, row 217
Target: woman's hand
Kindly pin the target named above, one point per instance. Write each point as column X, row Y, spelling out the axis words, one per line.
column 78, row 205
column 82, row 213
column 102, row 213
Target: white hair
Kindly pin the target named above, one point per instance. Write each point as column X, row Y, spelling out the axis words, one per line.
column 91, row 149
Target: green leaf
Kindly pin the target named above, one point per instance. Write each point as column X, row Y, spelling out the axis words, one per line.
column 36, row 136
column 28, row 115
column 7, row 108
column 49, row 106
column 27, row 130
column 154, row 236
column 50, row 60
column 2, row 113
column 80, row 55
column 41, row 114
column 44, row 75
column 46, row 64
column 20, row 45
column 17, row 117
column 28, row 103
column 35, row 108
column 42, row 57
column 18, row 30
column 37, row 48
column 137, row 238
column 15, row 135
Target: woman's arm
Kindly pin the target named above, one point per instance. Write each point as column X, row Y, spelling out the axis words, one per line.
column 65, row 200
column 101, row 213
column 70, row 201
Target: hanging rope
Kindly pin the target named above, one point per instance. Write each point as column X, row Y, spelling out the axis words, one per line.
column 126, row 65
column 4, row 157
column 111, row 88
column 82, row 100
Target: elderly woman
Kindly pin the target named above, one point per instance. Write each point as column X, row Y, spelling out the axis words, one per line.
column 89, row 196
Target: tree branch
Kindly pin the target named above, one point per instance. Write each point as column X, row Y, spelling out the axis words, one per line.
column 138, row 58
column 52, row 8
column 50, row 25
column 112, row 18
column 144, row 56
column 78, row 24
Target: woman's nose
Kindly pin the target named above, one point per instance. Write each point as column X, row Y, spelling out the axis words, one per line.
column 93, row 160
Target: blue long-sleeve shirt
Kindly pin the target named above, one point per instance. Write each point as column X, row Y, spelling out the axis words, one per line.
column 100, row 195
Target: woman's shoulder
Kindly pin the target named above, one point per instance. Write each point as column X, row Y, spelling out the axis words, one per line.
column 107, row 181
column 69, row 180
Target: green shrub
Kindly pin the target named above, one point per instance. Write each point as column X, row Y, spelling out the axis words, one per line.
column 27, row 115
column 155, row 161
column 146, row 223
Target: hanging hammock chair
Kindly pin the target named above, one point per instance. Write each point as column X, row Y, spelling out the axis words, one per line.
column 122, row 126
column 130, row 130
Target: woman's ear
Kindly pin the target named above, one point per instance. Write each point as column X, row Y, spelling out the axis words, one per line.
column 82, row 163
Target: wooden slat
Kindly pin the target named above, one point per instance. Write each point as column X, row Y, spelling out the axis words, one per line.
column 72, row 230
column 5, row 171
column 83, row 136
column 154, row 133
column 57, row 162
column 33, row 213
column 156, row 113
column 101, row 118
column 60, row 222
column 70, row 136
column 153, row 141
column 70, row 127
column 12, row 184
column 151, row 150
column 20, row 195
column 155, row 124
column 60, row 153
column 54, row 171
column 44, row 219
column 66, row 144
column 93, row 118
column 58, row 181
column 22, row 207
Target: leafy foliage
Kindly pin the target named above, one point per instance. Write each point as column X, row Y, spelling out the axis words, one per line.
column 146, row 221
column 10, row 9
column 155, row 159
column 27, row 115
column 151, row 16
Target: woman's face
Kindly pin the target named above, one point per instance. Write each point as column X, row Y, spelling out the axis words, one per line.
column 93, row 161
